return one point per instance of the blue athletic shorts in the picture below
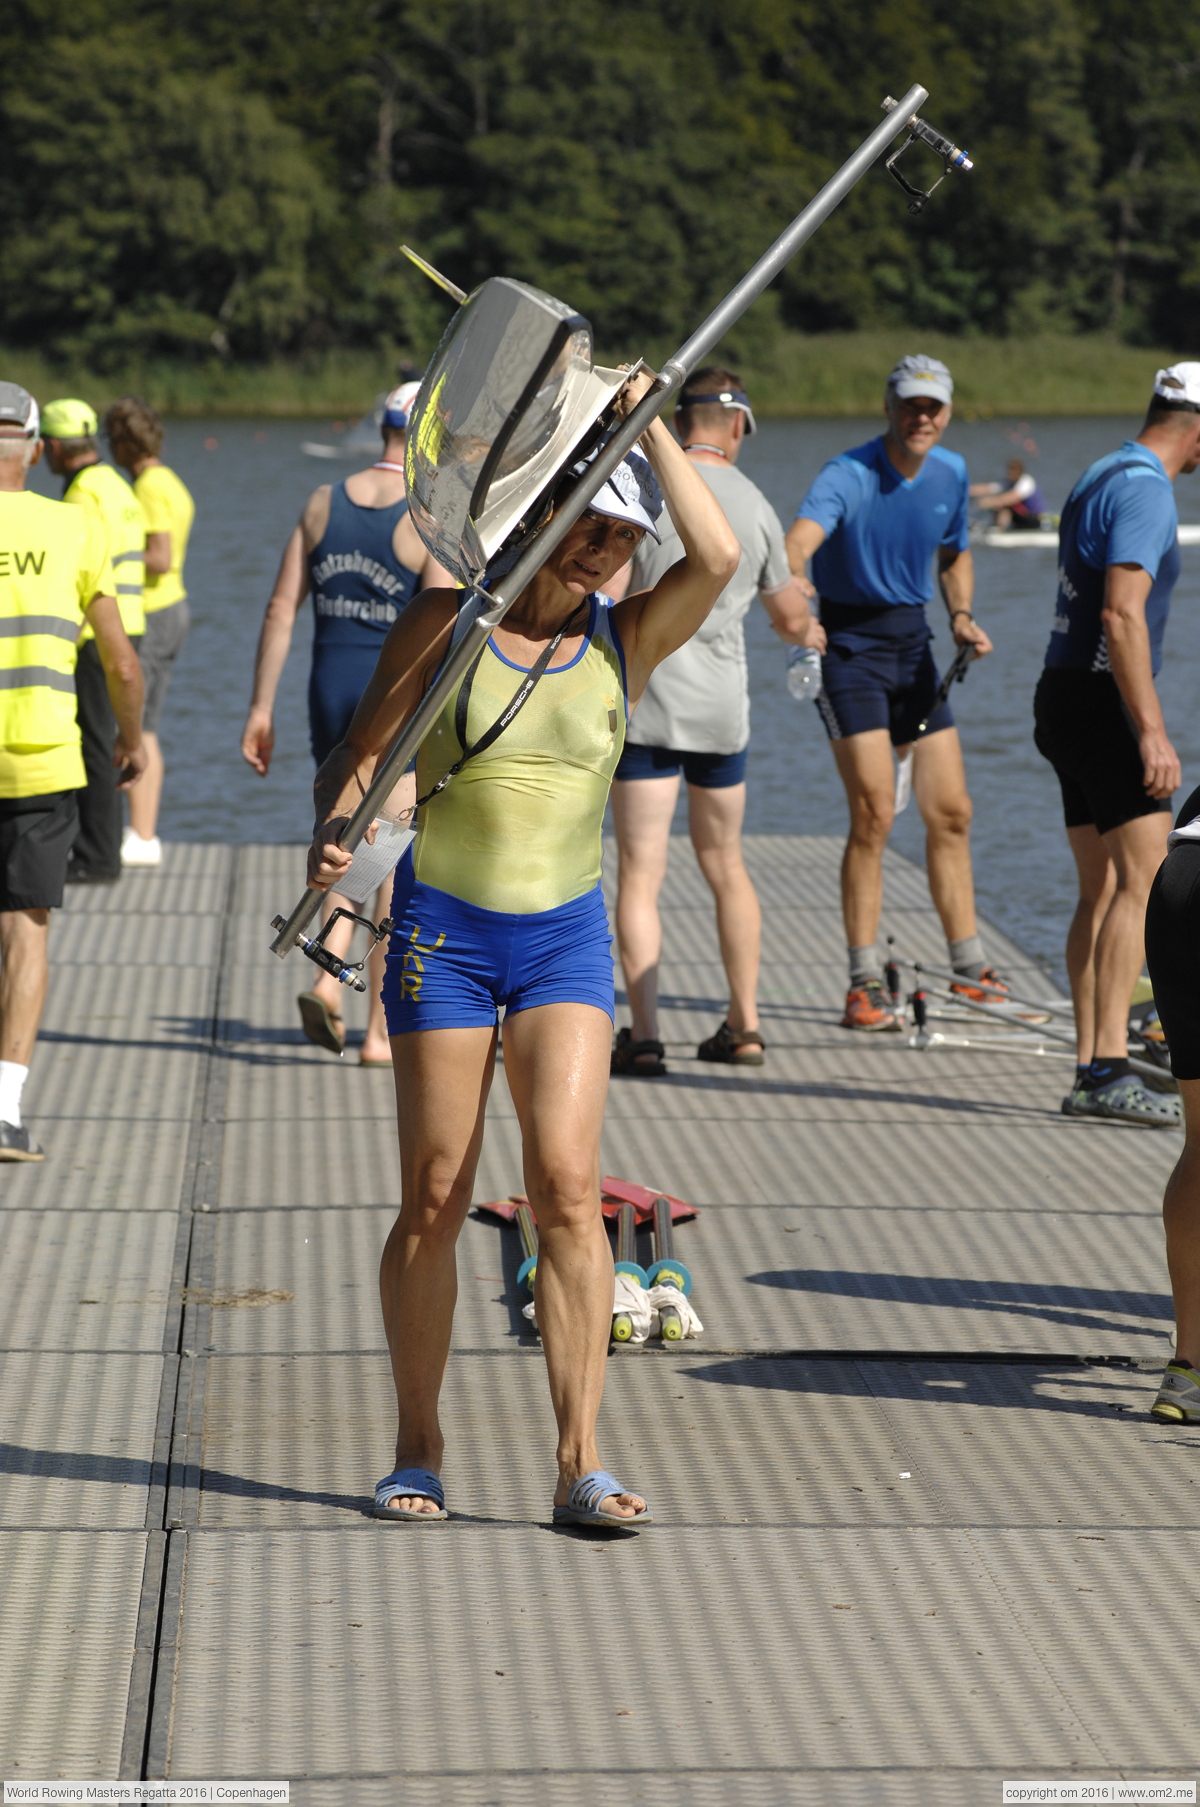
(879, 672)
(708, 771)
(451, 965)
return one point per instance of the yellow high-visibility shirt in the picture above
(53, 561)
(99, 486)
(168, 508)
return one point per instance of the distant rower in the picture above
(1018, 504)
(355, 548)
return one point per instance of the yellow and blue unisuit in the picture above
(498, 903)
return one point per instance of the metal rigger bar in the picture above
(507, 590)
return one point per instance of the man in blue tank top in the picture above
(357, 552)
(872, 523)
(1100, 724)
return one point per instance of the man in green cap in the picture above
(69, 428)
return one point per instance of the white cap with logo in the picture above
(630, 494)
(1179, 384)
(916, 375)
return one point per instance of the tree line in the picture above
(232, 182)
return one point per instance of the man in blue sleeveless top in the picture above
(1100, 724)
(872, 523)
(356, 550)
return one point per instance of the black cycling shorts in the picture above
(1173, 948)
(1082, 727)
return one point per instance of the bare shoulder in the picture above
(419, 638)
(314, 518)
(434, 607)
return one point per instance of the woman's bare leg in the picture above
(442, 1081)
(556, 1059)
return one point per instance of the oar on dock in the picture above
(528, 1230)
(627, 1263)
(668, 1270)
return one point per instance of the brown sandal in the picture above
(321, 1024)
(628, 1057)
(733, 1047)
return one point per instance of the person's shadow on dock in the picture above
(998, 1382)
(1078, 1306)
(131, 1471)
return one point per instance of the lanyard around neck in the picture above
(508, 714)
(382, 464)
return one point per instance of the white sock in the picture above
(12, 1083)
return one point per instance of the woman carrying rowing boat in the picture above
(498, 904)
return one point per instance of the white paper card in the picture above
(371, 865)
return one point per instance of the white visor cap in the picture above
(630, 494)
(1179, 383)
(728, 398)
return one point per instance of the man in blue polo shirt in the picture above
(1099, 723)
(871, 523)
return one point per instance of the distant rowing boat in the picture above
(1189, 535)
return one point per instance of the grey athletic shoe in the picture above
(1178, 1400)
(1075, 1104)
(1126, 1100)
(16, 1144)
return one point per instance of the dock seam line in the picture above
(156, 1637)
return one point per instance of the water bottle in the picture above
(804, 672)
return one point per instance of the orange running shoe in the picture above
(868, 1007)
(988, 988)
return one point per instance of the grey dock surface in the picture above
(914, 1530)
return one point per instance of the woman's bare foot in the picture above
(617, 1505)
(413, 1502)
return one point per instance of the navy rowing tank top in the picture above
(359, 586)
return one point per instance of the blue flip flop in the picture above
(409, 1483)
(584, 1499)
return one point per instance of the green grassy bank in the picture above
(822, 375)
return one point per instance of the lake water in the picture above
(250, 479)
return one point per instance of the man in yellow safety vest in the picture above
(55, 575)
(69, 430)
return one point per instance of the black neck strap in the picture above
(508, 714)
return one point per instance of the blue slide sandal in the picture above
(409, 1483)
(584, 1499)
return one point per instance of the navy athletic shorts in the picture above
(708, 771)
(879, 672)
(453, 965)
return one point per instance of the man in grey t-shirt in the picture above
(694, 719)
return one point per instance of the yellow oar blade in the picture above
(443, 282)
